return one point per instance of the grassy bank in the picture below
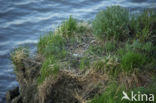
(117, 43)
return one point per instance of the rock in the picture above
(17, 99)
(12, 94)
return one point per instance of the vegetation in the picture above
(132, 60)
(49, 67)
(96, 50)
(18, 55)
(113, 94)
(69, 27)
(110, 46)
(84, 63)
(116, 43)
(142, 26)
(111, 23)
(52, 45)
(109, 64)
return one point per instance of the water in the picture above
(22, 23)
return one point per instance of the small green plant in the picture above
(148, 47)
(111, 23)
(112, 94)
(44, 41)
(102, 49)
(99, 65)
(52, 45)
(69, 27)
(136, 45)
(49, 67)
(109, 64)
(109, 46)
(132, 60)
(84, 63)
(142, 25)
(98, 50)
(145, 48)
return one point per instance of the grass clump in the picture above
(44, 41)
(112, 94)
(146, 47)
(69, 27)
(83, 27)
(143, 25)
(19, 54)
(110, 46)
(98, 50)
(109, 64)
(111, 23)
(52, 45)
(132, 60)
(102, 49)
(84, 63)
(49, 67)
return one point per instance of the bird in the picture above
(125, 96)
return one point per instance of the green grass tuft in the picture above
(132, 60)
(84, 63)
(69, 27)
(49, 67)
(109, 64)
(98, 50)
(113, 94)
(52, 45)
(111, 23)
(143, 25)
(110, 46)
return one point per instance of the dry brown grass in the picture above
(53, 84)
(73, 86)
(134, 79)
(19, 54)
(43, 90)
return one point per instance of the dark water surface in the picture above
(23, 21)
